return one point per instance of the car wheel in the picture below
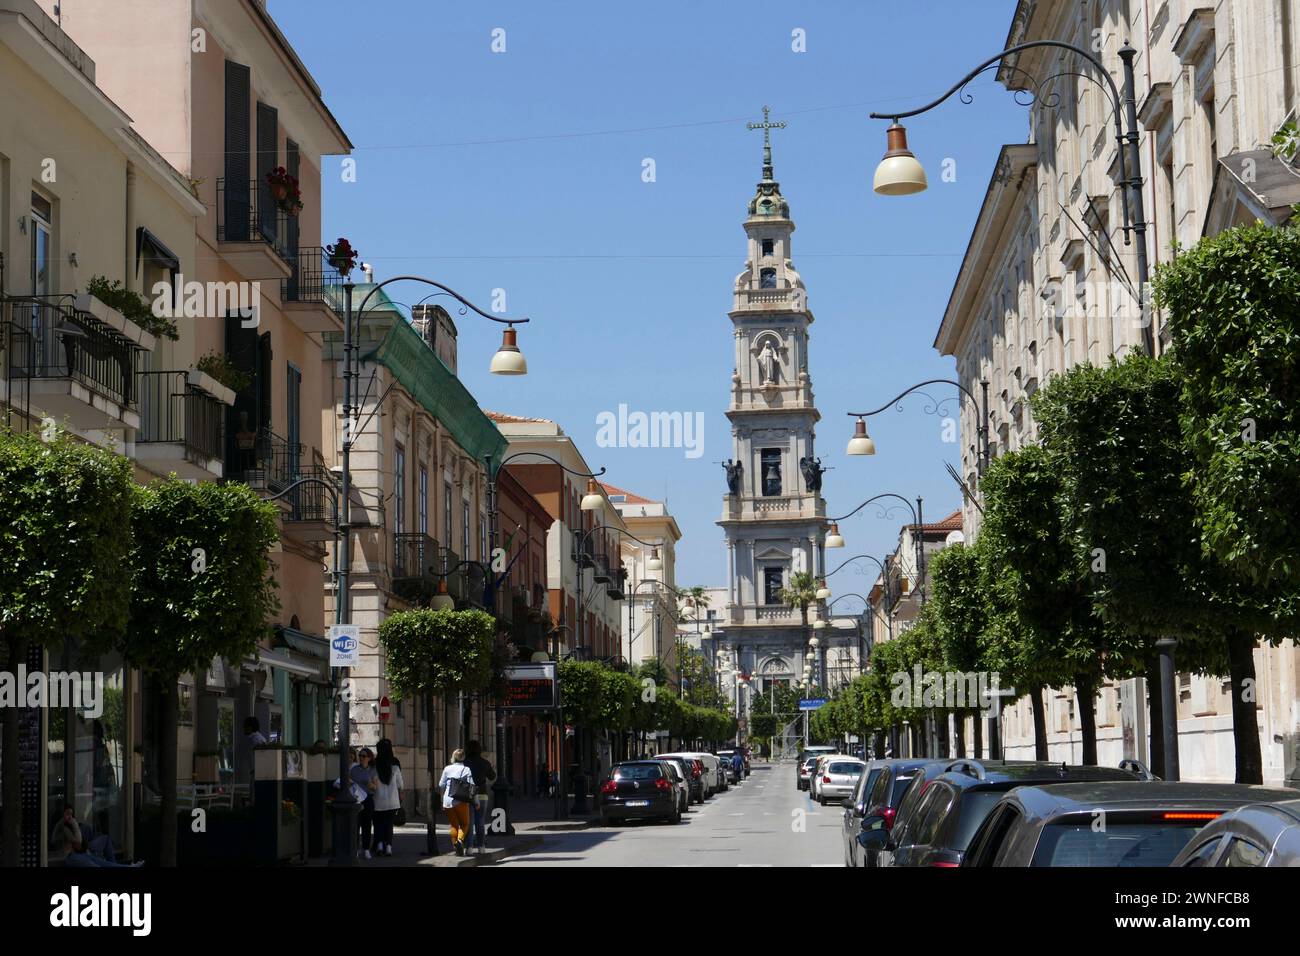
(822, 801)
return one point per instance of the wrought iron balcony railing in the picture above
(269, 462)
(49, 339)
(247, 212)
(175, 412)
(313, 279)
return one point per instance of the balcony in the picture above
(73, 364)
(772, 614)
(268, 463)
(311, 506)
(600, 569)
(415, 566)
(313, 292)
(618, 580)
(466, 583)
(255, 236)
(182, 424)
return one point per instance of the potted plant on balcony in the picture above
(129, 305)
(285, 190)
(342, 256)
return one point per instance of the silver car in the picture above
(839, 777)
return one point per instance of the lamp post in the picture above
(508, 360)
(862, 444)
(831, 604)
(900, 174)
(836, 540)
(884, 577)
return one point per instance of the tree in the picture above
(1130, 519)
(961, 617)
(1046, 633)
(1232, 306)
(65, 533)
(202, 588)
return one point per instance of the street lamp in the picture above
(823, 592)
(899, 173)
(918, 518)
(510, 363)
(862, 444)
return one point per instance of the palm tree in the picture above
(800, 592)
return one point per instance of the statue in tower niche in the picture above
(769, 367)
(733, 475)
(812, 469)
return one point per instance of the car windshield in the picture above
(809, 764)
(1120, 844)
(637, 771)
(850, 768)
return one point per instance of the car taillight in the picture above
(609, 786)
(695, 771)
(944, 863)
(886, 814)
(662, 784)
(826, 779)
(1189, 816)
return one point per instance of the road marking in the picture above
(753, 864)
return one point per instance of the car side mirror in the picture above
(873, 839)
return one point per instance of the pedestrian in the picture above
(388, 796)
(457, 786)
(73, 846)
(365, 776)
(738, 766)
(484, 774)
(253, 731)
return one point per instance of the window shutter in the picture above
(292, 163)
(237, 199)
(268, 153)
(241, 349)
(264, 382)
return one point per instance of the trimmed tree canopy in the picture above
(437, 651)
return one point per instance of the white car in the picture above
(818, 772)
(710, 774)
(837, 778)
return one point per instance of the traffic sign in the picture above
(385, 710)
(345, 645)
(812, 703)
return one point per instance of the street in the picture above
(754, 824)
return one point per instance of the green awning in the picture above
(404, 353)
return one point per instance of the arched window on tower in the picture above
(767, 279)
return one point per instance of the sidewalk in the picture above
(409, 843)
(537, 814)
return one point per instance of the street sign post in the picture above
(345, 645)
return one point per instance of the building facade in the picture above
(650, 624)
(1048, 281)
(773, 517)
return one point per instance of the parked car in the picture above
(724, 773)
(855, 809)
(1143, 823)
(1258, 834)
(694, 780)
(801, 781)
(818, 771)
(839, 778)
(679, 782)
(726, 757)
(639, 789)
(950, 806)
(699, 766)
(897, 774)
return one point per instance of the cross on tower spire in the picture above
(765, 126)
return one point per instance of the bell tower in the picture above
(773, 516)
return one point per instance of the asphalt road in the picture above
(762, 822)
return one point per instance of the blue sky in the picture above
(522, 171)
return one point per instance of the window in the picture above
(464, 529)
(771, 470)
(1204, 853)
(447, 535)
(41, 231)
(767, 247)
(293, 392)
(423, 503)
(399, 491)
(1241, 853)
(772, 584)
(767, 279)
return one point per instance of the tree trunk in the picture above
(1085, 693)
(977, 720)
(170, 714)
(1245, 720)
(1040, 724)
(1156, 717)
(12, 837)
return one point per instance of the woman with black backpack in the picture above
(457, 786)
